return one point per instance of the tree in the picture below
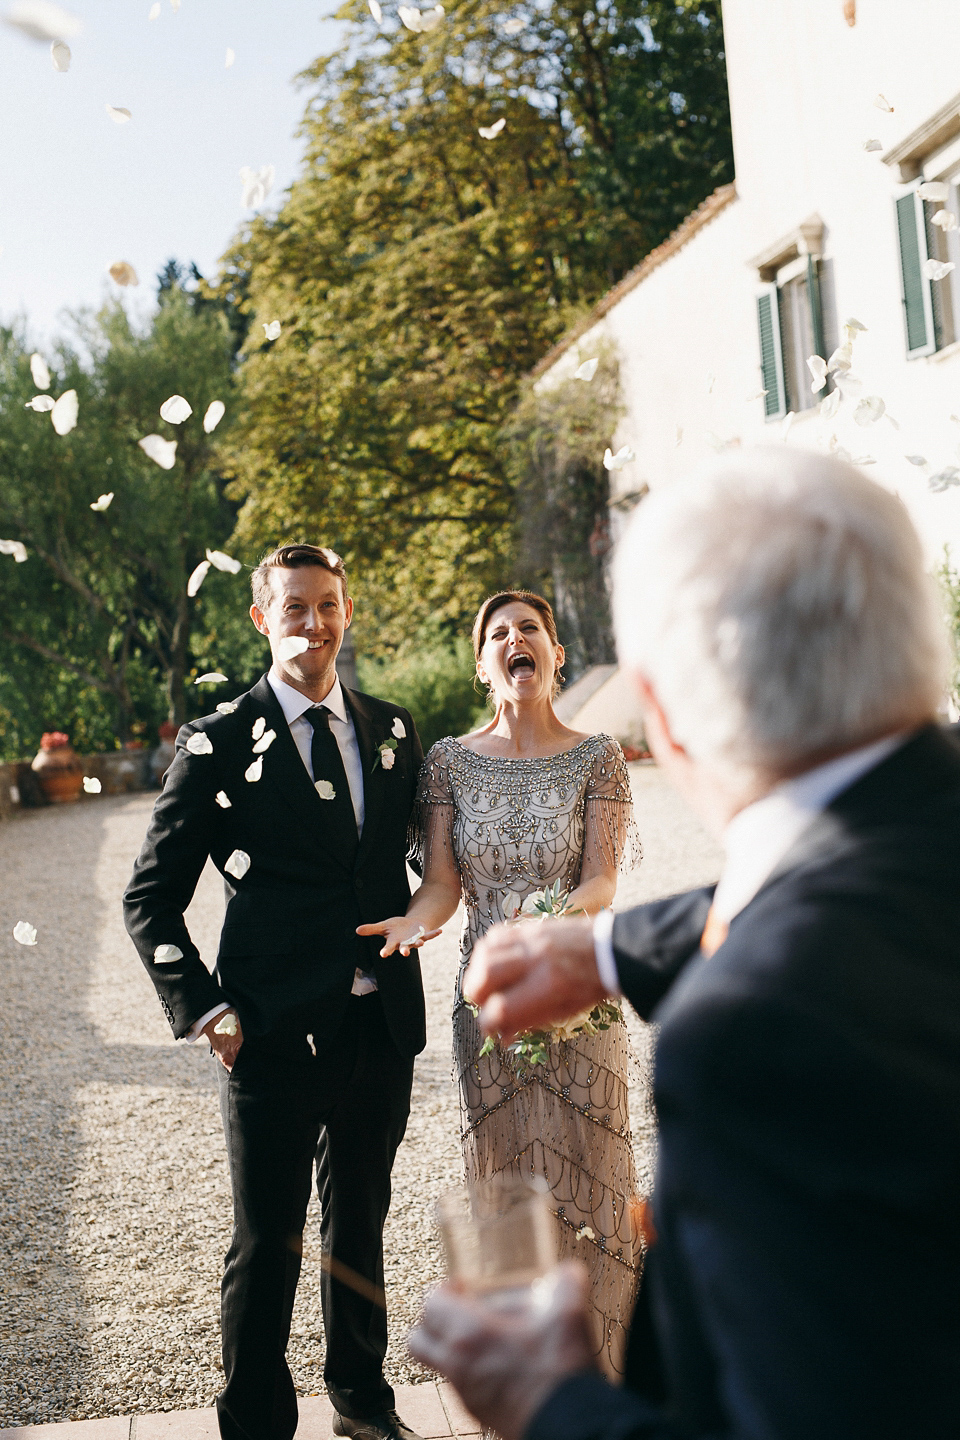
(419, 270)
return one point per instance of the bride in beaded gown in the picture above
(494, 825)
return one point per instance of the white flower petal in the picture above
(200, 744)
(238, 864)
(944, 478)
(259, 725)
(226, 1025)
(229, 58)
(853, 326)
(197, 577)
(513, 27)
(918, 460)
(42, 20)
(410, 18)
(945, 219)
(398, 729)
(212, 677)
(869, 410)
(587, 370)
(25, 933)
(490, 132)
(257, 185)
(292, 645)
(214, 414)
(818, 369)
(934, 190)
(848, 384)
(388, 759)
(586, 1233)
(420, 21)
(325, 790)
(871, 145)
(253, 772)
(882, 103)
(162, 452)
(60, 56)
(64, 413)
(264, 742)
(937, 269)
(176, 410)
(39, 371)
(310, 1039)
(224, 562)
(154, 13)
(16, 548)
(678, 438)
(40, 403)
(430, 19)
(91, 785)
(167, 955)
(227, 707)
(374, 7)
(624, 456)
(102, 502)
(272, 330)
(223, 800)
(121, 272)
(841, 359)
(119, 114)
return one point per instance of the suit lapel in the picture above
(368, 743)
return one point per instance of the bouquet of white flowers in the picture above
(531, 1046)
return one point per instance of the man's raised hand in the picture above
(224, 1045)
(528, 977)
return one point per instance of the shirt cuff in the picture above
(603, 950)
(196, 1029)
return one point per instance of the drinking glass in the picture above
(498, 1236)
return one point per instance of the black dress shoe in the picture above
(386, 1426)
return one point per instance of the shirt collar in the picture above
(757, 838)
(294, 703)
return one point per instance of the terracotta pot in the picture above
(60, 773)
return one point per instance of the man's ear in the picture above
(348, 607)
(259, 619)
(657, 726)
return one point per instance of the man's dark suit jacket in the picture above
(805, 1280)
(288, 950)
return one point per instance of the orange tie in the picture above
(714, 934)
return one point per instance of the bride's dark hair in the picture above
(493, 603)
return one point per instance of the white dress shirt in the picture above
(295, 705)
(758, 837)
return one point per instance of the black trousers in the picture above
(282, 1110)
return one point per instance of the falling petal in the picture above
(420, 21)
(624, 456)
(119, 114)
(430, 19)
(174, 5)
(272, 331)
(162, 452)
(711, 381)
(325, 790)
(944, 479)
(292, 645)
(375, 10)
(945, 219)
(176, 410)
(410, 18)
(64, 413)
(102, 502)
(215, 413)
(841, 359)
(40, 403)
(257, 185)
(818, 369)
(894, 423)
(853, 326)
(864, 460)
(226, 1025)
(398, 729)
(122, 273)
(222, 798)
(230, 57)
(227, 707)
(254, 771)
(200, 744)
(586, 1233)
(91, 785)
(42, 20)
(871, 145)
(16, 548)
(917, 460)
(167, 954)
(60, 56)
(848, 384)
(259, 725)
(757, 395)
(587, 370)
(937, 269)
(490, 132)
(25, 933)
(869, 410)
(882, 103)
(197, 578)
(839, 450)
(786, 425)
(513, 27)
(39, 371)
(265, 741)
(934, 190)
(154, 11)
(212, 677)
(310, 1039)
(224, 562)
(678, 441)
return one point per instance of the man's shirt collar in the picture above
(294, 703)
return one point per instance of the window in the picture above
(790, 319)
(930, 307)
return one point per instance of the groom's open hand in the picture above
(528, 977)
(225, 1047)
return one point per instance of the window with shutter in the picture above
(771, 354)
(915, 287)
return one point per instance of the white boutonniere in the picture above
(385, 755)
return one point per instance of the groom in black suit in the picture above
(803, 1270)
(300, 791)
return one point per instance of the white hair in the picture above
(779, 607)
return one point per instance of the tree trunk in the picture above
(177, 667)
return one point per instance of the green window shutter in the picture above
(771, 354)
(915, 288)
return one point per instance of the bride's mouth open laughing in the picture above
(521, 664)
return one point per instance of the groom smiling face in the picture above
(310, 603)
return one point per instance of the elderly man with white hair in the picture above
(803, 1271)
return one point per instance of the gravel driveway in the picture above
(114, 1203)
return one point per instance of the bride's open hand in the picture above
(400, 932)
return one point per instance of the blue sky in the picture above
(78, 192)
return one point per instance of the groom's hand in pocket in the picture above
(226, 1047)
(528, 977)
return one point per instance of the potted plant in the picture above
(58, 768)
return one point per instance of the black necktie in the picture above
(328, 765)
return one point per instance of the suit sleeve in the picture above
(653, 943)
(175, 850)
(586, 1407)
